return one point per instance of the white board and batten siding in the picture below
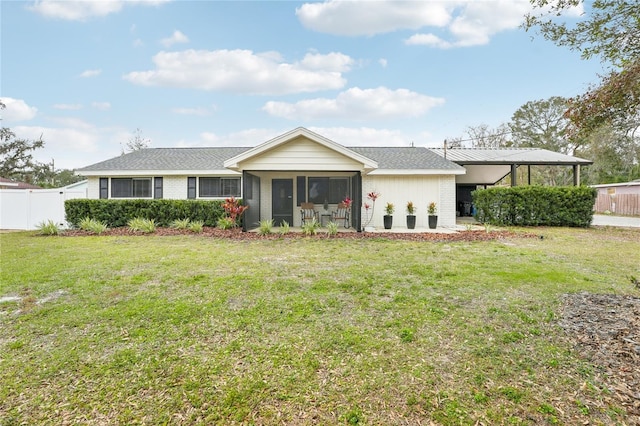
(401, 189)
(301, 154)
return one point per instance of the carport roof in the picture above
(500, 156)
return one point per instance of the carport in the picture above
(488, 166)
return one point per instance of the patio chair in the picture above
(307, 212)
(341, 213)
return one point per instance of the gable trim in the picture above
(234, 162)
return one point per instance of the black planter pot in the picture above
(411, 221)
(433, 221)
(388, 221)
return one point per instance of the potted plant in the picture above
(411, 217)
(388, 217)
(432, 210)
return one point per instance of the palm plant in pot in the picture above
(411, 217)
(432, 211)
(388, 217)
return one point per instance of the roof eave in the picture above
(146, 173)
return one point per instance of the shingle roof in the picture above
(213, 159)
(168, 159)
(398, 158)
(507, 156)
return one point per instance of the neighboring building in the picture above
(276, 177)
(619, 198)
(11, 184)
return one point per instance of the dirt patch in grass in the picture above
(237, 234)
(605, 329)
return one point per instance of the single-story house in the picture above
(277, 176)
(14, 184)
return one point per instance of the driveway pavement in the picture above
(608, 220)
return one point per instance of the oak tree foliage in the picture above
(610, 30)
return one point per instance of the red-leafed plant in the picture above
(234, 209)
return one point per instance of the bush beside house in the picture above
(535, 205)
(117, 213)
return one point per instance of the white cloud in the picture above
(243, 71)
(364, 136)
(356, 18)
(244, 138)
(358, 104)
(464, 22)
(102, 106)
(201, 112)
(176, 37)
(68, 107)
(68, 146)
(90, 73)
(17, 110)
(383, 62)
(82, 10)
(337, 62)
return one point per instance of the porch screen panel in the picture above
(301, 190)
(251, 198)
(356, 197)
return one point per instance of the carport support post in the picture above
(576, 175)
(514, 168)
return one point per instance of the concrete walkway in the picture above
(609, 220)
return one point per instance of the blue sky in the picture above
(86, 74)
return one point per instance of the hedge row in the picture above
(116, 213)
(535, 205)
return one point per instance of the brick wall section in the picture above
(447, 207)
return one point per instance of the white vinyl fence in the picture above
(26, 208)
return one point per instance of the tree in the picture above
(612, 32)
(137, 142)
(541, 124)
(15, 154)
(482, 136)
(615, 157)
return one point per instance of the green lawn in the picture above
(194, 330)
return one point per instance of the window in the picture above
(130, 187)
(104, 188)
(219, 187)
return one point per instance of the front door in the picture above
(282, 201)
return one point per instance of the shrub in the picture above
(139, 224)
(181, 223)
(284, 227)
(117, 213)
(310, 227)
(93, 226)
(332, 229)
(535, 205)
(48, 228)
(226, 223)
(265, 227)
(196, 226)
